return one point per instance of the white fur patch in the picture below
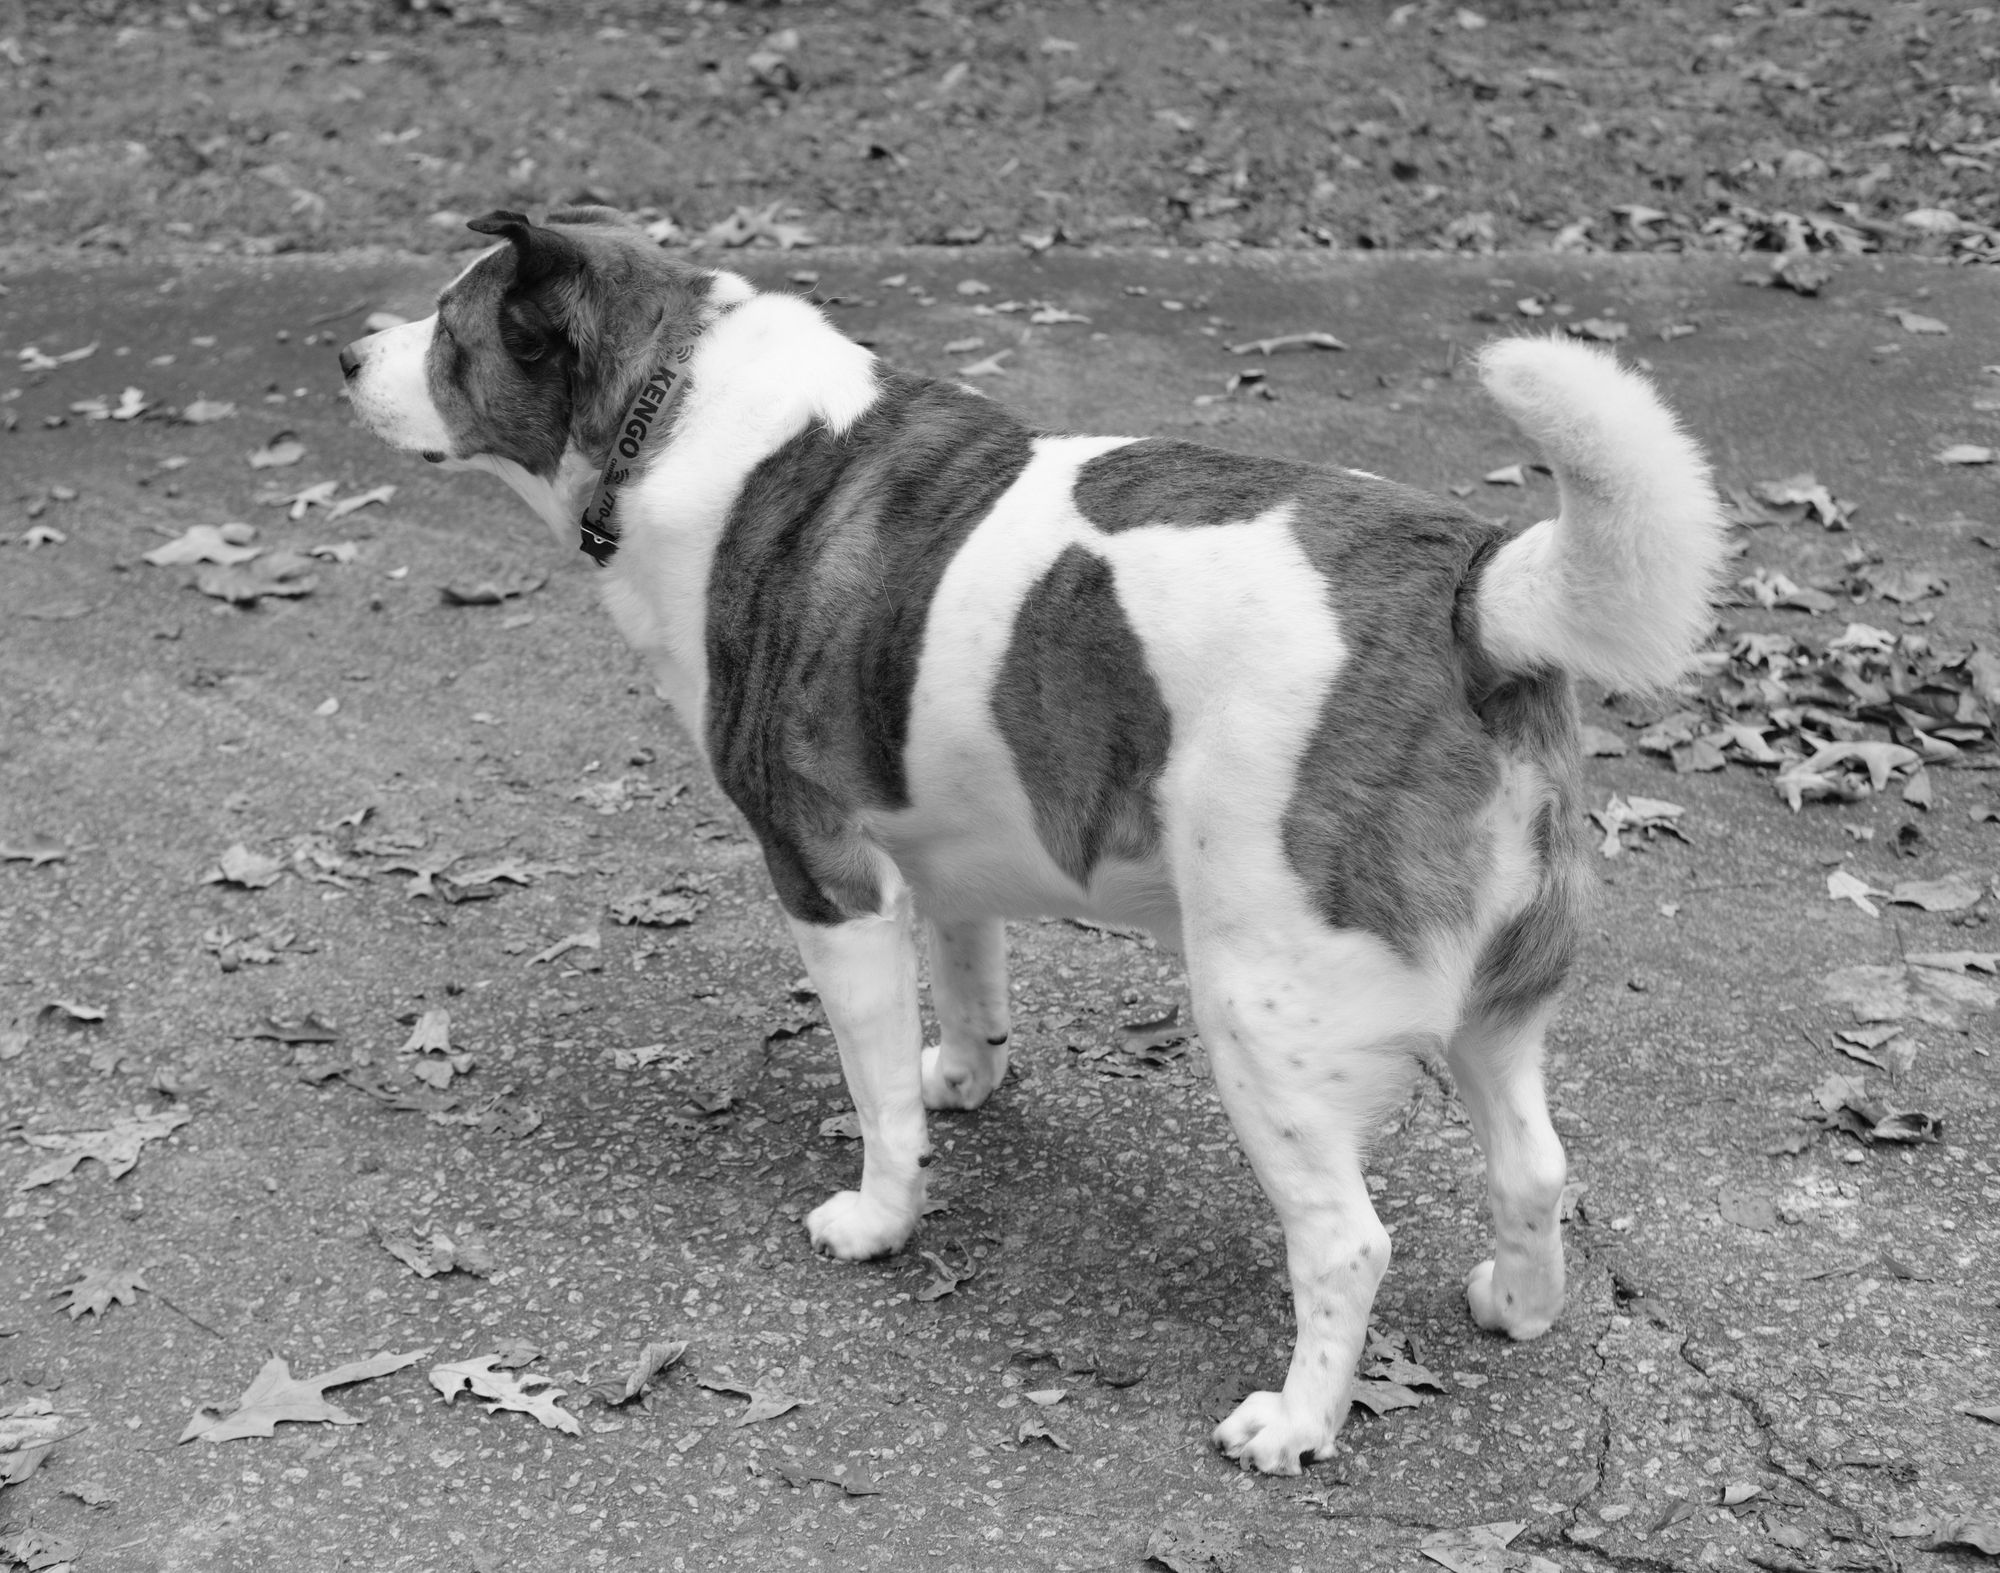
(760, 375)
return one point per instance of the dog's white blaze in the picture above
(391, 392)
(988, 860)
(760, 375)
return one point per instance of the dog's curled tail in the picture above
(1617, 587)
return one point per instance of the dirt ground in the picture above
(260, 822)
(323, 124)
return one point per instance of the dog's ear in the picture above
(539, 254)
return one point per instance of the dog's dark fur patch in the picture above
(1383, 825)
(1083, 717)
(817, 601)
(1529, 959)
(556, 332)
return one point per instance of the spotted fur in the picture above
(1312, 729)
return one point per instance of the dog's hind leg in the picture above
(1496, 1059)
(866, 974)
(1310, 1040)
(969, 991)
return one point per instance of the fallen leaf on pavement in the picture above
(33, 851)
(669, 907)
(1940, 996)
(347, 505)
(650, 1362)
(1966, 453)
(1917, 322)
(97, 1290)
(1987, 961)
(1749, 1208)
(440, 1254)
(1979, 1534)
(1482, 1548)
(1194, 1548)
(1647, 815)
(1601, 744)
(529, 1394)
(946, 1278)
(586, 939)
(200, 412)
(202, 543)
(766, 1403)
(285, 575)
(1953, 893)
(491, 592)
(1284, 341)
(1843, 886)
(276, 1395)
(117, 1148)
(307, 1029)
(27, 1432)
(1806, 493)
(1848, 1105)
(283, 449)
(246, 869)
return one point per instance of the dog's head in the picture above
(535, 350)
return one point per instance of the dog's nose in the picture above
(350, 362)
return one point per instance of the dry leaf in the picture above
(1965, 453)
(530, 1394)
(97, 1290)
(1843, 886)
(202, 543)
(116, 1148)
(651, 1361)
(1272, 346)
(276, 1395)
(283, 449)
(246, 869)
(1953, 893)
(766, 1403)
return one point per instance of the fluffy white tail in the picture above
(1617, 586)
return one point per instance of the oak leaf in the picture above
(276, 1395)
(530, 1394)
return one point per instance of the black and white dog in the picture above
(1312, 729)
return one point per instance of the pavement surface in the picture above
(1769, 1357)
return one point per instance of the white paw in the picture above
(1503, 1313)
(1264, 1434)
(959, 1085)
(852, 1227)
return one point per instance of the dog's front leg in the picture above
(866, 974)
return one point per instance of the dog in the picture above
(1313, 730)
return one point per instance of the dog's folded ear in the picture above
(539, 253)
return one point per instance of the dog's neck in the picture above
(768, 367)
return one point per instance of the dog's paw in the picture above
(1501, 1312)
(850, 1226)
(1264, 1434)
(957, 1083)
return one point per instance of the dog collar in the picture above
(639, 434)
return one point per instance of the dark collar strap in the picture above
(640, 435)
